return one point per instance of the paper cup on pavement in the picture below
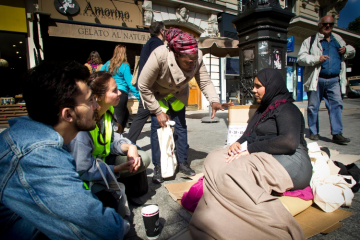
(151, 221)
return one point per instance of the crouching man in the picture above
(40, 191)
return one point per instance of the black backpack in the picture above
(312, 39)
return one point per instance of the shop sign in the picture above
(105, 12)
(291, 59)
(98, 33)
(67, 7)
(290, 44)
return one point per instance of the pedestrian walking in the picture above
(157, 33)
(118, 66)
(323, 56)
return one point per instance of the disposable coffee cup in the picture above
(151, 221)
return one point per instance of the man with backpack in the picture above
(323, 56)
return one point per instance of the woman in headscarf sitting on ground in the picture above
(238, 182)
(164, 90)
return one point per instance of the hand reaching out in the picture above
(217, 106)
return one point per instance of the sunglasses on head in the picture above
(326, 23)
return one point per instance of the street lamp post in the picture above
(262, 31)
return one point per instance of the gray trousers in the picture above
(298, 166)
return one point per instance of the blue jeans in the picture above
(180, 136)
(329, 89)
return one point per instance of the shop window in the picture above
(232, 66)
(232, 75)
(322, 12)
(13, 50)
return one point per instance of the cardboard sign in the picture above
(238, 119)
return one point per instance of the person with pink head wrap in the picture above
(181, 42)
(164, 80)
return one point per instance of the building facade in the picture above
(304, 24)
(70, 30)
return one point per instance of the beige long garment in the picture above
(237, 204)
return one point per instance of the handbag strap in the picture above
(98, 160)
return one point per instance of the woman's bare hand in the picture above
(229, 159)
(133, 156)
(124, 166)
(235, 148)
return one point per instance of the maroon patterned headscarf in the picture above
(181, 42)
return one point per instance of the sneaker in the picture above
(340, 139)
(157, 178)
(186, 169)
(314, 137)
(136, 201)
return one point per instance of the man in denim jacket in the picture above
(40, 191)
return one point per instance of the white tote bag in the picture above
(333, 192)
(330, 191)
(167, 145)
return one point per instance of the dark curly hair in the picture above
(94, 58)
(155, 28)
(50, 87)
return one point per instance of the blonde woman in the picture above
(119, 68)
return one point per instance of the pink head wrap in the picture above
(181, 42)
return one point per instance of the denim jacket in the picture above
(40, 188)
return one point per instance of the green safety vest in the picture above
(175, 103)
(102, 151)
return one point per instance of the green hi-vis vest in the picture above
(102, 151)
(175, 103)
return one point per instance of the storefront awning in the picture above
(98, 33)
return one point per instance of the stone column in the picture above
(262, 31)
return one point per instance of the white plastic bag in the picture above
(167, 145)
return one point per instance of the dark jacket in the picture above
(151, 44)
